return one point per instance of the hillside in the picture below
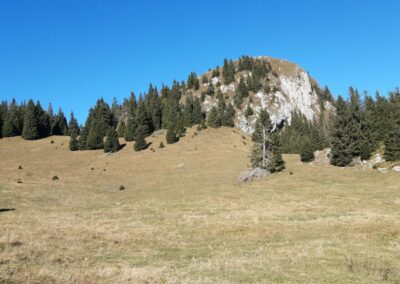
(285, 88)
(184, 217)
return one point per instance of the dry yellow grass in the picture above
(184, 218)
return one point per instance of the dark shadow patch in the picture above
(6, 209)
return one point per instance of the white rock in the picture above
(396, 169)
(215, 80)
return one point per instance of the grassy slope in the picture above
(194, 223)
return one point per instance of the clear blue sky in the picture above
(71, 52)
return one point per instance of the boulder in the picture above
(253, 174)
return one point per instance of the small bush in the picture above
(52, 142)
(19, 181)
(198, 128)
(291, 173)
(195, 134)
(20, 167)
(92, 169)
(55, 178)
(161, 145)
(122, 187)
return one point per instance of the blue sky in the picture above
(71, 52)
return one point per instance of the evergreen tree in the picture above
(249, 111)
(341, 145)
(245, 63)
(214, 119)
(73, 126)
(11, 125)
(154, 110)
(215, 72)
(130, 131)
(204, 79)
(43, 118)
(82, 142)
(142, 128)
(227, 117)
(277, 164)
(59, 126)
(228, 72)
(392, 141)
(241, 92)
(73, 143)
(31, 124)
(210, 90)
(112, 143)
(307, 151)
(101, 120)
(121, 130)
(193, 81)
(171, 135)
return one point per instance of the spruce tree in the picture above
(12, 123)
(101, 120)
(214, 119)
(341, 145)
(215, 72)
(249, 111)
(228, 72)
(154, 109)
(307, 151)
(171, 135)
(31, 123)
(142, 128)
(59, 126)
(112, 143)
(277, 164)
(392, 141)
(73, 143)
(73, 126)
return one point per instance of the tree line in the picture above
(31, 122)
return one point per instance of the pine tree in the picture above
(142, 128)
(204, 79)
(112, 143)
(277, 164)
(14, 119)
(197, 115)
(215, 72)
(101, 120)
(59, 126)
(44, 126)
(227, 118)
(341, 145)
(228, 72)
(130, 131)
(31, 123)
(307, 151)
(73, 143)
(193, 81)
(392, 141)
(214, 119)
(171, 135)
(249, 111)
(154, 110)
(73, 126)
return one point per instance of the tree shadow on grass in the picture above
(6, 209)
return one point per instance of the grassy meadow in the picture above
(183, 217)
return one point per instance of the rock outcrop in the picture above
(287, 88)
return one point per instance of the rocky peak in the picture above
(284, 89)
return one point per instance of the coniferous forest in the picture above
(358, 126)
